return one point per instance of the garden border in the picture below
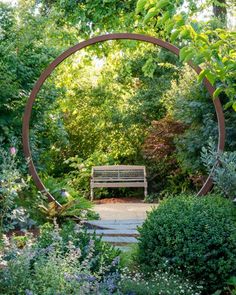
(130, 36)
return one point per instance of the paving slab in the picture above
(114, 224)
(123, 211)
(119, 222)
(119, 240)
(114, 232)
(111, 223)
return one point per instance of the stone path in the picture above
(123, 211)
(119, 222)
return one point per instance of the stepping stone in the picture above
(114, 224)
(119, 240)
(115, 221)
(114, 232)
(119, 233)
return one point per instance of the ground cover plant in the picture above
(66, 260)
(158, 282)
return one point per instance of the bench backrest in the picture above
(118, 173)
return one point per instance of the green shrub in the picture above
(73, 203)
(11, 185)
(193, 235)
(70, 232)
(60, 261)
(79, 176)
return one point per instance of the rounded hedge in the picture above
(194, 235)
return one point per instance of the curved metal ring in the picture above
(28, 109)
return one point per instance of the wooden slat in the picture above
(118, 167)
(119, 184)
(118, 176)
(119, 172)
(97, 179)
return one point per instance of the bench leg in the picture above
(91, 194)
(145, 191)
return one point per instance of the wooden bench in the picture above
(118, 176)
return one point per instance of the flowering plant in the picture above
(56, 263)
(11, 183)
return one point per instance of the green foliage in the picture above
(80, 175)
(222, 165)
(151, 198)
(193, 235)
(63, 192)
(176, 183)
(106, 107)
(127, 258)
(70, 232)
(23, 56)
(160, 282)
(98, 105)
(107, 112)
(89, 17)
(72, 202)
(232, 285)
(11, 184)
(61, 260)
(205, 43)
(187, 102)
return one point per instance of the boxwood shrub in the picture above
(193, 235)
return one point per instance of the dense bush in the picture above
(195, 235)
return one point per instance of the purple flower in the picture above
(12, 150)
(115, 261)
(110, 282)
(68, 277)
(28, 292)
(84, 277)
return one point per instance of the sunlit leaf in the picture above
(140, 5)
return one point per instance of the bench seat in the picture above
(118, 176)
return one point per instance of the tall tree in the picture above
(206, 43)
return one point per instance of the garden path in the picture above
(119, 222)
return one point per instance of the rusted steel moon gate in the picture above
(28, 109)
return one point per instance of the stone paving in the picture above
(123, 211)
(119, 222)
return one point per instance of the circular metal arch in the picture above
(130, 36)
